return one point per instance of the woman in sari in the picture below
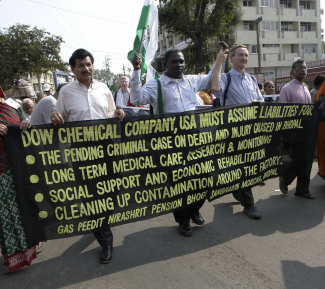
(320, 146)
(15, 250)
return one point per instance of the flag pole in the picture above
(142, 39)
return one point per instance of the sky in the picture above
(104, 27)
(111, 30)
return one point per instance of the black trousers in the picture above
(246, 197)
(104, 236)
(302, 186)
(183, 217)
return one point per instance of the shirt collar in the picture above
(81, 85)
(237, 74)
(167, 79)
(297, 82)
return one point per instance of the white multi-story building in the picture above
(290, 29)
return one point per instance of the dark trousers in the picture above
(104, 236)
(246, 197)
(183, 216)
(302, 187)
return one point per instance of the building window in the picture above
(270, 25)
(247, 3)
(286, 3)
(171, 42)
(249, 25)
(305, 26)
(269, 3)
(271, 45)
(292, 48)
(304, 4)
(253, 48)
(286, 26)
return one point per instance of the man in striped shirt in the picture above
(243, 89)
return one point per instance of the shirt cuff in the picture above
(136, 75)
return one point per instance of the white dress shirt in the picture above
(76, 102)
(28, 117)
(177, 96)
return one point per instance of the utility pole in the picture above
(257, 21)
(123, 70)
(107, 70)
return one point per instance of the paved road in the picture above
(285, 249)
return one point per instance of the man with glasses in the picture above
(296, 92)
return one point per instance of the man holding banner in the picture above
(296, 92)
(173, 92)
(85, 99)
(237, 87)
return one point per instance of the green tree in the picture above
(204, 22)
(24, 50)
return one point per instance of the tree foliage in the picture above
(204, 22)
(105, 76)
(24, 50)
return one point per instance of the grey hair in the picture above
(26, 101)
(124, 77)
(233, 49)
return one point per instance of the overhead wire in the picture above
(69, 22)
(83, 13)
(60, 25)
(107, 52)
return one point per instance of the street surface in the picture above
(285, 249)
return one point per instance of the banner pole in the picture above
(142, 39)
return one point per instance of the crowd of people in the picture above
(174, 92)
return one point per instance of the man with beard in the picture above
(296, 92)
(85, 99)
(178, 95)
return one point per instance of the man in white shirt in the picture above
(44, 107)
(178, 95)
(122, 96)
(85, 99)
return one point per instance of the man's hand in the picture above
(119, 112)
(137, 61)
(3, 130)
(56, 117)
(25, 124)
(321, 106)
(222, 56)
